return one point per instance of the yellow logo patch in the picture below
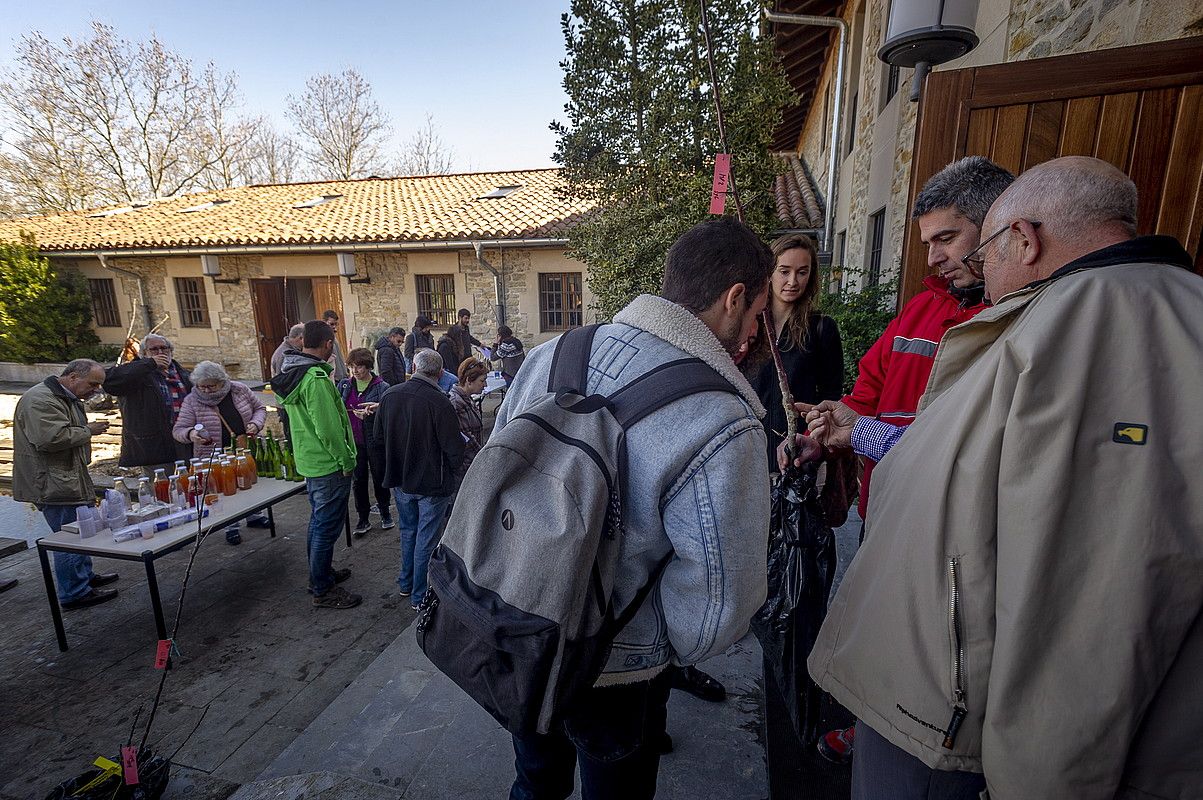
(1130, 433)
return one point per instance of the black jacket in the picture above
(145, 419)
(416, 340)
(418, 439)
(452, 355)
(815, 373)
(464, 338)
(389, 364)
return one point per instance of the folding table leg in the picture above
(56, 613)
(271, 521)
(156, 603)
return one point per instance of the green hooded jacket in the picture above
(322, 442)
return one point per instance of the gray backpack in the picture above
(520, 612)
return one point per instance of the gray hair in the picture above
(429, 363)
(209, 371)
(1072, 197)
(151, 336)
(970, 185)
(297, 331)
(80, 367)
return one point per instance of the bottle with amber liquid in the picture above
(242, 472)
(252, 466)
(162, 486)
(229, 478)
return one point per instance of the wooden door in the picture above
(327, 294)
(1140, 108)
(271, 321)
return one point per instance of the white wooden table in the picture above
(262, 495)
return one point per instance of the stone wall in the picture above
(1042, 28)
(380, 306)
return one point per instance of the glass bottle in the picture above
(162, 486)
(252, 467)
(229, 475)
(146, 493)
(194, 492)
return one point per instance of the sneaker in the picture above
(259, 522)
(363, 527)
(338, 598)
(404, 593)
(92, 598)
(233, 537)
(341, 575)
(836, 746)
(386, 523)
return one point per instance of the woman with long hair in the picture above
(809, 341)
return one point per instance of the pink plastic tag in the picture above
(129, 764)
(162, 653)
(722, 178)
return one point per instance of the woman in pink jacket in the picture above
(225, 409)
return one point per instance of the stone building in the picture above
(878, 139)
(225, 273)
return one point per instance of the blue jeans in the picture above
(884, 771)
(72, 571)
(612, 734)
(420, 519)
(328, 496)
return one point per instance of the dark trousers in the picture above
(612, 737)
(883, 771)
(363, 474)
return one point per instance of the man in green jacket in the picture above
(324, 449)
(51, 451)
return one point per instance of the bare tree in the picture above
(227, 139)
(424, 153)
(104, 119)
(272, 157)
(343, 130)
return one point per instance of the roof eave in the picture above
(323, 247)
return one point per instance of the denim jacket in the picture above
(698, 488)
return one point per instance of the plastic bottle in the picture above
(162, 486)
(146, 493)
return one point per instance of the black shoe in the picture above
(663, 744)
(102, 579)
(233, 537)
(258, 522)
(7, 583)
(698, 684)
(93, 597)
(338, 598)
(362, 528)
(341, 575)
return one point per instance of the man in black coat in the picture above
(420, 337)
(419, 434)
(150, 390)
(390, 365)
(462, 334)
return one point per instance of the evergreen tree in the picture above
(43, 316)
(641, 130)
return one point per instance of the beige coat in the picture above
(1023, 566)
(51, 448)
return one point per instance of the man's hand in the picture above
(98, 426)
(162, 360)
(831, 422)
(805, 449)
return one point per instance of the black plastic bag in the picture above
(153, 772)
(801, 566)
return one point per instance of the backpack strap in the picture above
(663, 385)
(570, 362)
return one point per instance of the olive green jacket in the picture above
(51, 448)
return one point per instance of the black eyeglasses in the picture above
(974, 261)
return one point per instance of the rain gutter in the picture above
(278, 249)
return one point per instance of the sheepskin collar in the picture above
(678, 326)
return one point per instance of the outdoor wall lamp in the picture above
(925, 33)
(346, 268)
(212, 267)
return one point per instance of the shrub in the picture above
(862, 316)
(44, 316)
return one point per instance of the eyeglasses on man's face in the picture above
(975, 259)
(160, 349)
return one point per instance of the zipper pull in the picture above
(954, 726)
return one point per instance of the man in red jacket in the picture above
(893, 373)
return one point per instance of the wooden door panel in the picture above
(1044, 131)
(1115, 128)
(327, 294)
(1139, 108)
(1080, 127)
(271, 325)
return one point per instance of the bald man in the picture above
(1026, 614)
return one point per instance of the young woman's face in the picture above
(791, 275)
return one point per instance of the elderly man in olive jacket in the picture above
(151, 390)
(51, 451)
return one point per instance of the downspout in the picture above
(104, 263)
(837, 118)
(498, 282)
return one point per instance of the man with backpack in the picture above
(678, 563)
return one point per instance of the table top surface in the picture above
(264, 493)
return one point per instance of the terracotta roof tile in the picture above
(415, 209)
(795, 195)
